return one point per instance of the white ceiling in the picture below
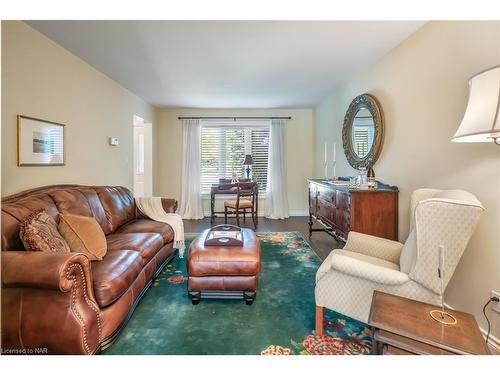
(229, 64)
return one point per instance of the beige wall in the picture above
(43, 80)
(422, 87)
(298, 141)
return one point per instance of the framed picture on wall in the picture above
(39, 142)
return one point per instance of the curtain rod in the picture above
(235, 118)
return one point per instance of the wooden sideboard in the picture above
(341, 209)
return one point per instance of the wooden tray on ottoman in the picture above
(224, 271)
(224, 235)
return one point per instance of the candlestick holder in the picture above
(442, 316)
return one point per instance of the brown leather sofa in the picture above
(64, 303)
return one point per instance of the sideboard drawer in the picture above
(327, 195)
(326, 211)
(343, 200)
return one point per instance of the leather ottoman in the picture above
(224, 271)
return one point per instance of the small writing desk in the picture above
(224, 187)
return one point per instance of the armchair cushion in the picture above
(374, 246)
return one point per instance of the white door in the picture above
(143, 158)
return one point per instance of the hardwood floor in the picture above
(320, 242)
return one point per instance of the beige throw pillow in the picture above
(38, 232)
(84, 235)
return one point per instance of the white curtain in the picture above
(276, 206)
(190, 206)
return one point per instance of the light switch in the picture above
(113, 141)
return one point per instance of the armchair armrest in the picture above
(374, 246)
(363, 270)
(44, 294)
(169, 205)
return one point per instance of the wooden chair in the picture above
(247, 191)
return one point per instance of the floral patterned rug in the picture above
(280, 321)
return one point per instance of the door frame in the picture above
(145, 128)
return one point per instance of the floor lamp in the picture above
(481, 122)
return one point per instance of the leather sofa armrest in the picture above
(32, 269)
(169, 205)
(43, 293)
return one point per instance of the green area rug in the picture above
(280, 321)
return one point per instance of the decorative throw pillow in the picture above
(84, 235)
(38, 232)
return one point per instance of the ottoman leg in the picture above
(249, 297)
(195, 297)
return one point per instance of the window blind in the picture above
(361, 142)
(223, 150)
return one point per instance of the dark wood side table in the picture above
(404, 326)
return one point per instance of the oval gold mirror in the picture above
(363, 132)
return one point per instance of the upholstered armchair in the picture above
(347, 278)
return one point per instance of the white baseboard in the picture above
(261, 214)
(292, 213)
(493, 340)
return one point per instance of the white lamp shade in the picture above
(481, 122)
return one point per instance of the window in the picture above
(362, 135)
(223, 150)
(360, 142)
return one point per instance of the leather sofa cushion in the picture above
(147, 244)
(114, 274)
(83, 234)
(149, 226)
(81, 201)
(118, 203)
(72, 201)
